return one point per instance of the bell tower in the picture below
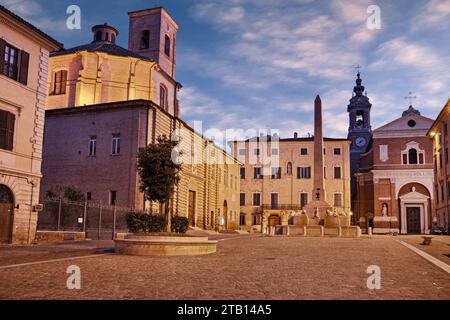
(153, 34)
(360, 129)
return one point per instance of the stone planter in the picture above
(164, 246)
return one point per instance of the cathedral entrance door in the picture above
(413, 220)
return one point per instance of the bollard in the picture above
(369, 232)
(322, 231)
(339, 231)
(304, 231)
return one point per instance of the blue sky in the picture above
(259, 63)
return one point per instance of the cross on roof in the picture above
(358, 67)
(410, 97)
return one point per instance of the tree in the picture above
(159, 174)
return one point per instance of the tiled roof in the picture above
(106, 47)
(32, 27)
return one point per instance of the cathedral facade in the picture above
(395, 177)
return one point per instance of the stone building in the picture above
(106, 102)
(24, 51)
(282, 174)
(441, 143)
(395, 177)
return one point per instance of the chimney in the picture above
(295, 135)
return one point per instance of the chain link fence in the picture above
(99, 221)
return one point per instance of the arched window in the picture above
(107, 36)
(98, 35)
(412, 155)
(145, 39)
(163, 102)
(289, 169)
(167, 45)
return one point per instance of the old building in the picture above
(24, 51)
(441, 143)
(289, 173)
(106, 102)
(359, 131)
(395, 177)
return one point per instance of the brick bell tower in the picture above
(153, 34)
(359, 130)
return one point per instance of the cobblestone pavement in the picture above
(439, 248)
(245, 267)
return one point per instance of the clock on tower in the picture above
(359, 130)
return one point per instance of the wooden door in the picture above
(274, 221)
(6, 214)
(413, 220)
(191, 208)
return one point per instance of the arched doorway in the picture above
(415, 209)
(225, 213)
(6, 213)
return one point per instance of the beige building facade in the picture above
(278, 174)
(108, 102)
(441, 143)
(24, 52)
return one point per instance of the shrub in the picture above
(144, 223)
(180, 224)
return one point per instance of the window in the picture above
(256, 152)
(242, 199)
(337, 151)
(59, 82)
(446, 156)
(163, 97)
(274, 151)
(257, 199)
(256, 220)
(145, 39)
(303, 199)
(303, 151)
(411, 123)
(338, 199)
(412, 155)
(289, 169)
(88, 196)
(257, 173)
(276, 173)
(242, 152)
(359, 118)
(242, 173)
(7, 123)
(116, 144)
(107, 36)
(274, 200)
(303, 172)
(440, 160)
(93, 146)
(98, 35)
(13, 62)
(167, 45)
(242, 220)
(112, 198)
(337, 173)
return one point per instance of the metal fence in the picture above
(99, 221)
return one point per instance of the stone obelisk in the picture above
(317, 208)
(318, 192)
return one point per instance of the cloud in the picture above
(25, 8)
(435, 13)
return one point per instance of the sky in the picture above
(258, 64)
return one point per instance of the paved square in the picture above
(245, 267)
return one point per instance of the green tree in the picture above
(159, 174)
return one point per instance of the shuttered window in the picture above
(14, 62)
(7, 121)
(59, 82)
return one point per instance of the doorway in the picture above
(191, 208)
(413, 220)
(225, 213)
(6, 214)
(274, 221)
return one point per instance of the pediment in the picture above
(414, 195)
(402, 124)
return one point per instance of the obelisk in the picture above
(318, 207)
(319, 191)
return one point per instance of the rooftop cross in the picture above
(410, 97)
(358, 67)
